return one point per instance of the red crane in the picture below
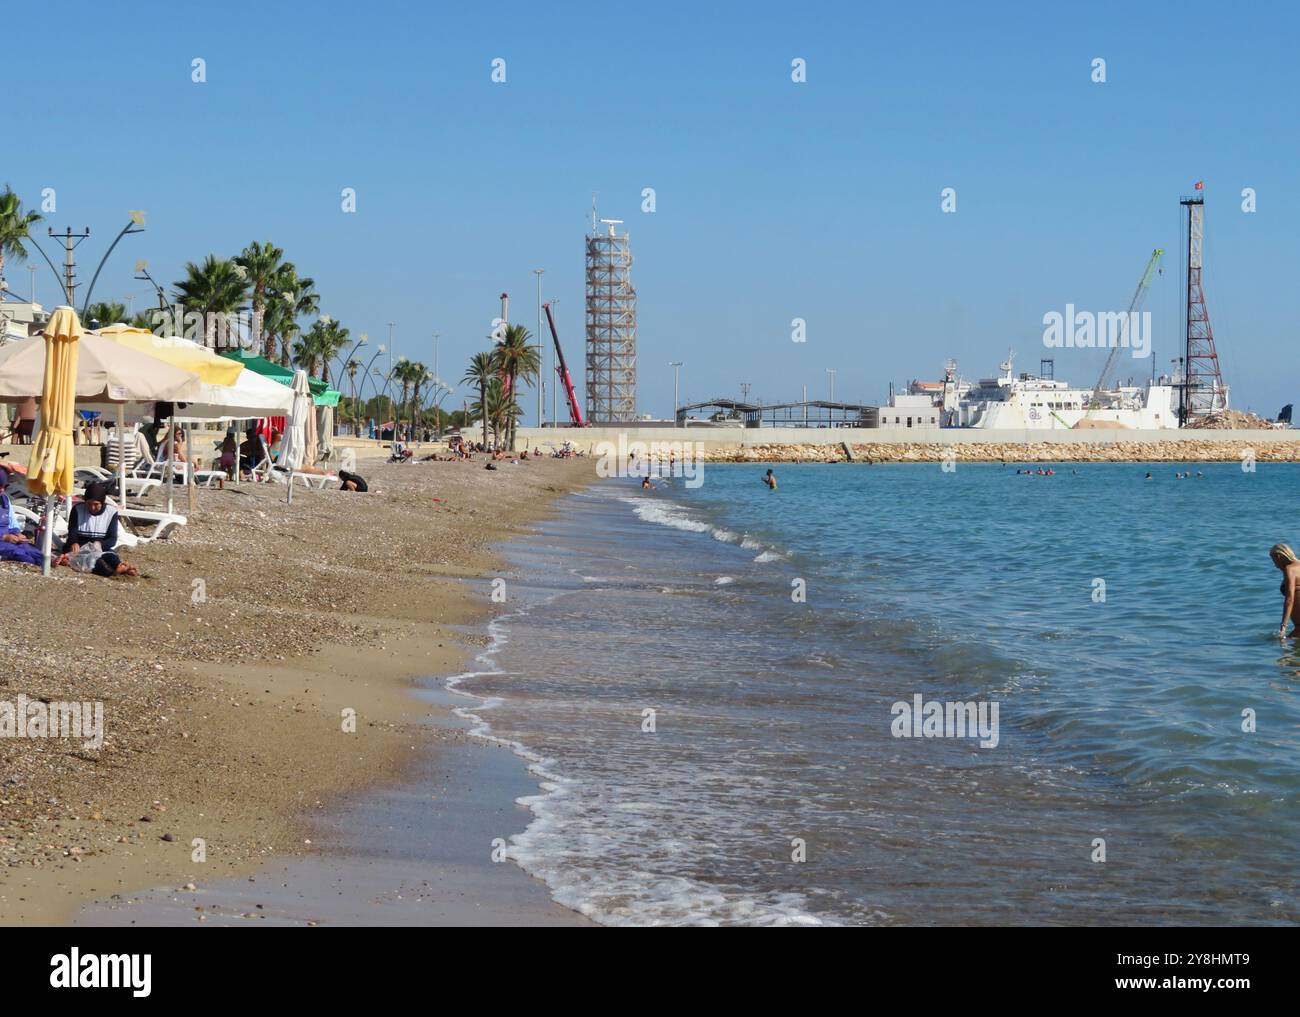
(575, 414)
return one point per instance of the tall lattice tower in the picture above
(1203, 394)
(611, 326)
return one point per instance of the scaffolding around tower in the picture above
(611, 326)
(1203, 395)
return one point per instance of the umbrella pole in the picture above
(46, 535)
(192, 465)
(121, 455)
(170, 472)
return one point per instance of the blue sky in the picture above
(775, 200)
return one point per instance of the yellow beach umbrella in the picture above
(50, 471)
(188, 356)
(52, 462)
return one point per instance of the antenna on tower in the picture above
(611, 223)
(593, 213)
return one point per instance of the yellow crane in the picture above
(1139, 295)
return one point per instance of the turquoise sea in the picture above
(1145, 766)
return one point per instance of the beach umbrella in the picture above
(50, 471)
(310, 454)
(210, 368)
(183, 353)
(294, 445)
(104, 372)
(250, 396)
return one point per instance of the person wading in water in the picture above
(1285, 559)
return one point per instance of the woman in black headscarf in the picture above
(94, 520)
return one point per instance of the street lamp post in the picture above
(365, 374)
(539, 272)
(830, 371)
(136, 220)
(676, 365)
(437, 420)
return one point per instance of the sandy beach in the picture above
(227, 669)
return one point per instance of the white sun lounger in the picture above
(136, 487)
(163, 522)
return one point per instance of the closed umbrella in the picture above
(310, 454)
(50, 471)
(293, 447)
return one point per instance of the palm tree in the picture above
(288, 299)
(109, 313)
(419, 377)
(333, 337)
(15, 227)
(261, 264)
(481, 372)
(406, 372)
(516, 360)
(217, 287)
(320, 345)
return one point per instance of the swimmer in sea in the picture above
(1284, 558)
(770, 480)
(645, 482)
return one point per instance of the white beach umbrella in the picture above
(294, 446)
(250, 396)
(106, 373)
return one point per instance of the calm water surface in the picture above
(1119, 720)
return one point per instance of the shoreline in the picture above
(216, 709)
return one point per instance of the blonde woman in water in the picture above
(1285, 559)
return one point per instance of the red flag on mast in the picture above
(1200, 185)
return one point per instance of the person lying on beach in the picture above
(1285, 560)
(14, 545)
(94, 521)
(770, 480)
(352, 482)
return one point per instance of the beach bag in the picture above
(87, 557)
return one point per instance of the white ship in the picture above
(1029, 402)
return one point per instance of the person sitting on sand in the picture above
(94, 520)
(769, 479)
(352, 482)
(1285, 560)
(14, 545)
(277, 442)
